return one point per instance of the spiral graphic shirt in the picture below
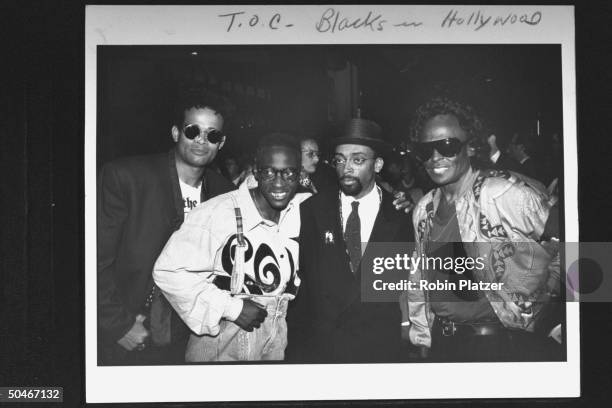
(270, 261)
(194, 269)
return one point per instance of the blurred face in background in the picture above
(393, 172)
(516, 149)
(231, 166)
(406, 171)
(310, 155)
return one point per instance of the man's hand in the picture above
(402, 202)
(136, 337)
(251, 316)
(522, 312)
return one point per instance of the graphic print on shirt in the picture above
(189, 204)
(269, 269)
(191, 196)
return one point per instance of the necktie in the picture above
(352, 236)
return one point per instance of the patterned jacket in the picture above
(501, 218)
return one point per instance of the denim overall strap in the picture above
(237, 280)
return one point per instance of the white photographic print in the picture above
(175, 227)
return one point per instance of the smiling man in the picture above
(328, 322)
(508, 222)
(141, 201)
(231, 269)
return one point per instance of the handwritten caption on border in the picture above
(333, 21)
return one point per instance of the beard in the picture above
(352, 189)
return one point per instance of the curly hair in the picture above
(200, 99)
(468, 119)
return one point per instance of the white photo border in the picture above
(201, 25)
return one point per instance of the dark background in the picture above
(312, 89)
(41, 100)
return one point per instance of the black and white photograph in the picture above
(319, 191)
(305, 205)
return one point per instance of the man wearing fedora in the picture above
(328, 322)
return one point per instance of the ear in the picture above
(222, 143)
(492, 140)
(175, 134)
(378, 164)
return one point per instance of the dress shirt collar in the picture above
(250, 215)
(370, 199)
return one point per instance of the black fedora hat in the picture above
(363, 132)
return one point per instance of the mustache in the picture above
(348, 178)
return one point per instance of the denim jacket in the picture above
(501, 218)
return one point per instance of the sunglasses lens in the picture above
(214, 136)
(192, 131)
(447, 148)
(424, 150)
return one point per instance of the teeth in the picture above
(279, 196)
(439, 170)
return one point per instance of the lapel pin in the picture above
(329, 237)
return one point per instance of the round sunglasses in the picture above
(192, 131)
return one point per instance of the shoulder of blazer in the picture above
(397, 217)
(388, 209)
(145, 167)
(322, 201)
(216, 184)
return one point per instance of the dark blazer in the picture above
(139, 205)
(531, 169)
(327, 321)
(505, 162)
(324, 178)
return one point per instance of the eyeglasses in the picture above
(357, 161)
(446, 147)
(287, 174)
(311, 154)
(192, 131)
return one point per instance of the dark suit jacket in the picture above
(327, 321)
(531, 169)
(505, 162)
(325, 179)
(139, 206)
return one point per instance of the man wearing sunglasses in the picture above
(328, 321)
(506, 224)
(141, 201)
(231, 269)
